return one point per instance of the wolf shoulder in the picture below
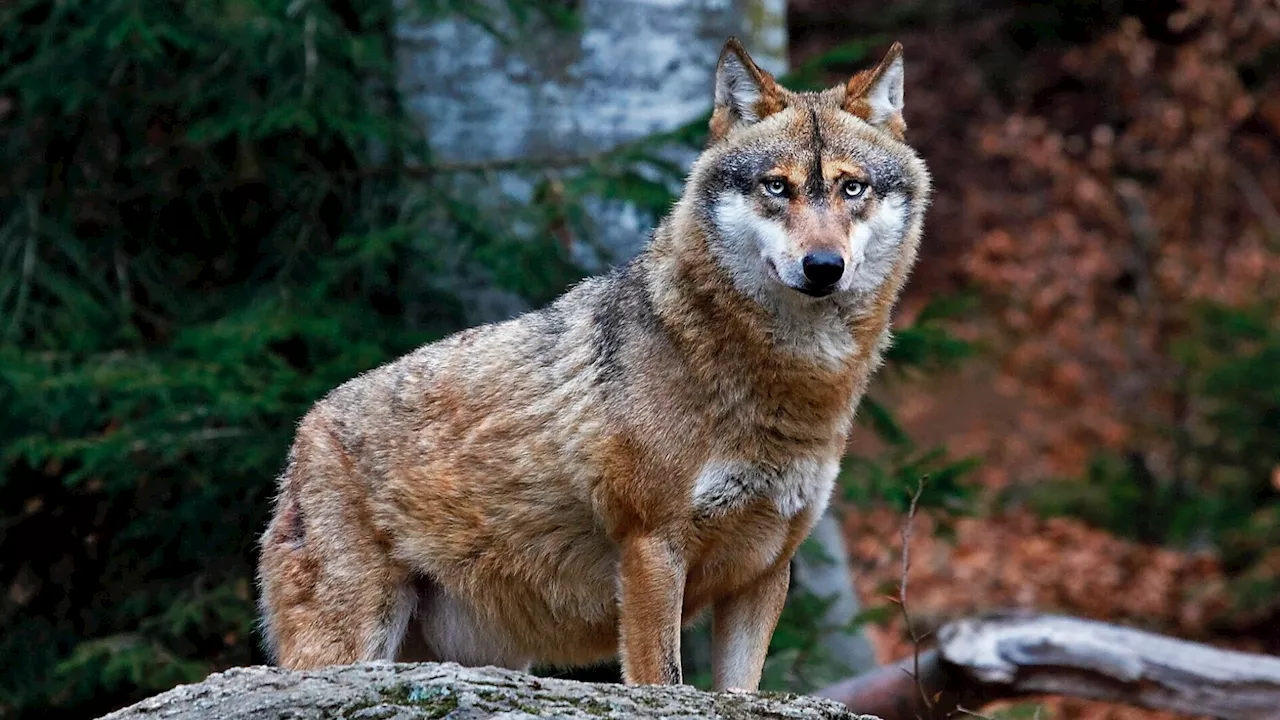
(589, 343)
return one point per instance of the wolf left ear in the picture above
(745, 93)
(876, 95)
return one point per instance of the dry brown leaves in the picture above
(1021, 561)
(1158, 192)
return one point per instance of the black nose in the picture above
(823, 268)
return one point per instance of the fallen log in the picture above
(427, 690)
(1011, 655)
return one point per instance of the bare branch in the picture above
(902, 591)
(1005, 656)
(1258, 201)
(28, 265)
(966, 711)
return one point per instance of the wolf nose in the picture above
(823, 268)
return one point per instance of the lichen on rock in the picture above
(382, 691)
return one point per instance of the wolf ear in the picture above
(876, 95)
(744, 93)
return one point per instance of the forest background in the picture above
(213, 213)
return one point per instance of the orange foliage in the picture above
(1092, 193)
(1108, 227)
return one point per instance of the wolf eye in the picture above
(775, 187)
(853, 189)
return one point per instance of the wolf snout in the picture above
(823, 268)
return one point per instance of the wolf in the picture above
(582, 481)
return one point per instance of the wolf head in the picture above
(809, 197)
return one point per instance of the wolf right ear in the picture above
(876, 95)
(745, 94)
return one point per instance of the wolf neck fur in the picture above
(767, 393)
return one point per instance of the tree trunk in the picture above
(628, 69)
(829, 577)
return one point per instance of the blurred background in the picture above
(213, 213)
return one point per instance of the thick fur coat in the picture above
(584, 479)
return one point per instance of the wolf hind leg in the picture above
(330, 593)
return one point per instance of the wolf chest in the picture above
(792, 487)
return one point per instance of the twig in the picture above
(207, 435)
(311, 57)
(28, 266)
(550, 162)
(434, 169)
(980, 716)
(415, 171)
(1145, 238)
(1258, 201)
(122, 279)
(902, 591)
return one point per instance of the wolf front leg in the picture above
(741, 628)
(652, 578)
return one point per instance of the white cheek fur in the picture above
(873, 245)
(750, 243)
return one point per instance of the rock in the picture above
(383, 691)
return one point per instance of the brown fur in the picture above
(528, 491)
